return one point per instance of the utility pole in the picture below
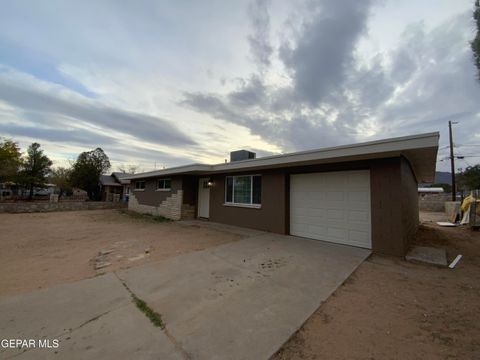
(452, 162)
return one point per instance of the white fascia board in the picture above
(171, 171)
(368, 150)
(396, 145)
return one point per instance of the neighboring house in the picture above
(432, 199)
(362, 195)
(10, 190)
(78, 194)
(6, 190)
(115, 187)
(430, 190)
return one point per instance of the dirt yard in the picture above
(391, 309)
(40, 250)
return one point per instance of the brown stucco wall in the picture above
(394, 206)
(150, 196)
(394, 201)
(385, 185)
(271, 216)
(409, 194)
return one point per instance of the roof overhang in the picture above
(110, 184)
(430, 190)
(420, 150)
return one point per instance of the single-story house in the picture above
(362, 194)
(430, 190)
(115, 187)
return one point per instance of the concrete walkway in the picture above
(240, 300)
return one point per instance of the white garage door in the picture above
(332, 206)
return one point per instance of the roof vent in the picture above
(241, 155)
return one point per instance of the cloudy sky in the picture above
(165, 83)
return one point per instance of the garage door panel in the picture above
(358, 196)
(336, 214)
(355, 179)
(337, 233)
(335, 196)
(358, 216)
(302, 196)
(359, 206)
(358, 236)
(315, 229)
(332, 206)
(301, 211)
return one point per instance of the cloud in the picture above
(323, 54)
(337, 96)
(259, 39)
(75, 136)
(146, 158)
(32, 95)
(279, 76)
(293, 116)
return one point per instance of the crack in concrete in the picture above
(67, 331)
(177, 345)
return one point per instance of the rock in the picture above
(427, 255)
(101, 265)
(103, 253)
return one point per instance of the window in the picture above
(164, 184)
(243, 190)
(139, 185)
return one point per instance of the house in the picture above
(432, 199)
(79, 194)
(115, 187)
(430, 190)
(6, 190)
(362, 194)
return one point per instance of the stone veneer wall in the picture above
(171, 207)
(29, 207)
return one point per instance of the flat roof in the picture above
(420, 150)
(430, 189)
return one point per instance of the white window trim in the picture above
(251, 205)
(135, 185)
(164, 189)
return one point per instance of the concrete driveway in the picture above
(241, 300)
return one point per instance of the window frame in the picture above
(248, 205)
(164, 188)
(139, 188)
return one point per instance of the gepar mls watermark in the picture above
(29, 343)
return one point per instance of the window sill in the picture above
(249, 206)
(138, 189)
(163, 190)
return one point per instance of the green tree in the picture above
(10, 160)
(35, 168)
(87, 169)
(476, 41)
(61, 178)
(469, 179)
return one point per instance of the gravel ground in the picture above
(40, 250)
(391, 309)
